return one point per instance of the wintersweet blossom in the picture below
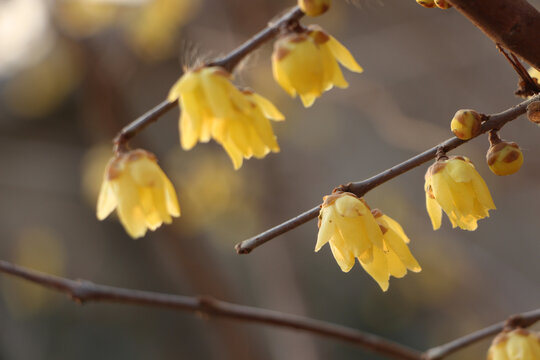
(517, 344)
(135, 185)
(306, 63)
(355, 232)
(453, 185)
(213, 108)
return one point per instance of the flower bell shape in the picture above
(306, 64)
(466, 124)
(354, 232)
(504, 158)
(517, 344)
(314, 7)
(136, 186)
(453, 185)
(213, 108)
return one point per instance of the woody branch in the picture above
(360, 188)
(81, 291)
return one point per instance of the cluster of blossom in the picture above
(305, 63)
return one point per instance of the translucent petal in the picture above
(345, 261)
(395, 266)
(171, 199)
(269, 110)
(378, 268)
(264, 130)
(459, 170)
(281, 78)
(308, 99)
(343, 55)
(354, 233)
(129, 210)
(191, 118)
(106, 200)
(400, 248)
(234, 153)
(434, 212)
(327, 229)
(145, 172)
(482, 192)
(394, 225)
(218, 92)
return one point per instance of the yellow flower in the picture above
(355, 232)
(306, 64)
(441, 4)
(314, 7)
(212, 107)
(136, 185)
(454, 185)
(518, 344)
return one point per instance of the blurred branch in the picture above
(515, 24)
(228, 62)
(360, 188)
(82, 291)
(521, 320)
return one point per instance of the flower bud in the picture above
(517, 344)
(314, 7)
(504, 158)
(443, 4)
(533, 112)
(426, 3)
(466, 124)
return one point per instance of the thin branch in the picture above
(360, 188)
(82, 291)
(522, 320)
(228, 62)
(515, 24)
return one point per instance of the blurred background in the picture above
(74, 72)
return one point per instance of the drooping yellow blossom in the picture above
(314, 7)
(355, 232)
(504, 158)
(212, 107)
(454, 185)
(136, 185)
(306, 64)
(517, 344)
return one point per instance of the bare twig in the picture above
(360, 188)
(84, 291)
(228, 62)
(522, 320)
(515, 24)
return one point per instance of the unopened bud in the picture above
(466, 124)
(504, 158)
(443, 4)
(426, 3)
(533, 112)
(314, 7)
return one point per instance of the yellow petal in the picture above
(344, 260)
(434, 212)
(400, 248)
(327, 228)
(354, 232)
(281, 78)
(170, 197)
(106, 201)
(395, 266)
(234, 153)
(378, 268)
(308, 99)
(269, 110)
(343, 55)
(394, 225)
(129, 210)
(482, 192)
